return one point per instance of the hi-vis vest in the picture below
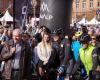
(86, 57)
(78, 34)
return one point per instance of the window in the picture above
(77, 4)
(84, 5)
(98, 4)
(91, 4)
(98, 13)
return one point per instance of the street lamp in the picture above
(34, 4)
(76, 11)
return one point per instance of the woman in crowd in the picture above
(46, 56)
(93, 40)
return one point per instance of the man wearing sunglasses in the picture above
(85, 56)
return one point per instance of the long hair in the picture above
(49, 41)
(45, 33)
(45, 48)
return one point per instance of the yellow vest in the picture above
(86, 57)
(78, 34)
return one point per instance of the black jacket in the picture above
(63, 50)
(96, 56)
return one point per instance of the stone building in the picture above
(85, 8)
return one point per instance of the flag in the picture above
(21, 12)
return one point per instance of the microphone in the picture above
(14, 45)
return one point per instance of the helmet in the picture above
(85, 39)
(57, 32)
(61, 69)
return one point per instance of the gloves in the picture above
(61, 70)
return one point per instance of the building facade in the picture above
(6, 4)
(85, 8)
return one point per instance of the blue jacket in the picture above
(75, 46)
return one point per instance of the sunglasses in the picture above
(93, 38)
(83, 42)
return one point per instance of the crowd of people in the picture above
(46, 55)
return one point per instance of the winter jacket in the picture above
(24, 62)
